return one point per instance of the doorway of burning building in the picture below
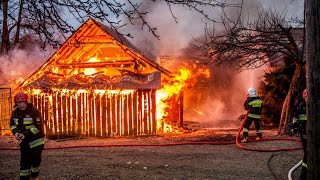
(5, 110)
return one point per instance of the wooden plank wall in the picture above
(94, 114)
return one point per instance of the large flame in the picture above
(186, 76)
(168, 90)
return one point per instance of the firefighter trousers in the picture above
(248, 124)
(30, 161)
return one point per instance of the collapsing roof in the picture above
(97, 57)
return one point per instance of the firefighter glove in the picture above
(294, 131)
(19, 136)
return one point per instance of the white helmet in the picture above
(252, 92)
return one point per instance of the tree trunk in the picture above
(313, 87)
(17, 37)
(288, 104)
(5, 43)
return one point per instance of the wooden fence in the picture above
(98, 114)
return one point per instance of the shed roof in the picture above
(96, 56)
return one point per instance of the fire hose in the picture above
(293, 169)
(180, 143)
(269, 150)
(265, 139)
(126, 145)
(186, 143)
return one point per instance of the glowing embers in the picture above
(36, 91)
(91, 71)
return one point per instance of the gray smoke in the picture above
(220, 105)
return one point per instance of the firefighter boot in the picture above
(259, 137)
(245, 140)
(35, 178)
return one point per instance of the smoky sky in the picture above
(219, 105)
(175, 36)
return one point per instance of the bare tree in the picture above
(5, 31)
(313, 84)
(46, 18)
(252, 44)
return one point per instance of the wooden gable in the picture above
(97, 57)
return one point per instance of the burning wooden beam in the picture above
(98, 64)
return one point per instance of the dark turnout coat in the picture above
(29, 123)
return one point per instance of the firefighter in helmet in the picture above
(300, 123)
(26, 126)
(253, 105)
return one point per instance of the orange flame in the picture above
(168, 90)
(90, 71)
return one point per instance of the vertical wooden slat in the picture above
(84, 113)
(97, 108)
(113, 113)
(80, 113)
(130, 115)
(39, 97)
(59, 106)
(103, 115)
(50, 112)
(43, 106)
(154, 112)
(142, 120)
(91, 116)
(121, 108)
(135, 113)
(125, 115)
(64, 113)
(69, 112)
(118, 112)
(145, 112)
(140, 105)
(87, 109)
(46, 117)
(54, 107)
(149, 113)
(94, 113)
(109, 115)
(74, 114)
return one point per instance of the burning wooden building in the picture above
(97, 84)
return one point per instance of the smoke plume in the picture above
(19, 64)
(220, 102)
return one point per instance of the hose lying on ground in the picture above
(269, 150)
(265, 139)
(293, 169)
(175, 144)
(126, 145)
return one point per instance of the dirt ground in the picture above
(172, 156)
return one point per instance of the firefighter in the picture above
(300, 123)
(26, 126)
(253, 105)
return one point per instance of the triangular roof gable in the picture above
(84, 40)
